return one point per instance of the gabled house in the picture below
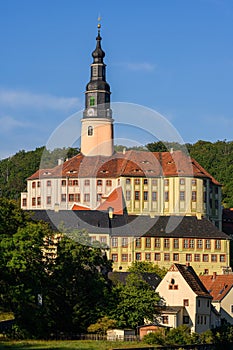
(220, 288)
(187, 301)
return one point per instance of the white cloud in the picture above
(26, 99)
(8, 123)
(138, 66)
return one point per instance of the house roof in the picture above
(130, 163)
(95, 221)
(191, 278)
(218, 285)
(151, 278)
(171, 309)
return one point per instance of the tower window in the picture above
(92, 101)
(90, 131)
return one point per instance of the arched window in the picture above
(92, 101)
(90, 131)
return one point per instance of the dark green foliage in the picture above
(134, 301)
(147, 266)
(15, 170)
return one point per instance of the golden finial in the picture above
(99, 25)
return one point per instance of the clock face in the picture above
(90, 112)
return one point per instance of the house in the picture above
(150, 328)
(120, 334)
(220, 288)
(161, 240)
(187, 301)
(151, 183)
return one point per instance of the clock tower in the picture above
(97, 122)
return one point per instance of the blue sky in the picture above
(174, 56)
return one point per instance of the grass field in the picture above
(63, 344)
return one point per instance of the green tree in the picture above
(134, 302)
(147, 266)
(102, 325)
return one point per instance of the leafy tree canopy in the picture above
(147, 266)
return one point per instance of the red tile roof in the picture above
(192, 279)
(218, 285)
(130, 163)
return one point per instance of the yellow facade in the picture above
(204, 255)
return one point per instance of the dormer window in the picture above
(90, 131)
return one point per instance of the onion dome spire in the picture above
(98, 54)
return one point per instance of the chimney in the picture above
(171, 150)
(214, 275)
(60, 161)
(124, 149)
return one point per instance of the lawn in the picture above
(65, 344)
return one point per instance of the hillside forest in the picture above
(216, 158)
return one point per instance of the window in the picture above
(165, 319)
(176, 243)
(206, 272)
(145, 181)
(194, 182)
(145, 196)
(138, 243)
(154, 182)
(137, 195)
(108, 182)
(70, 183)
(232, 309)
(199, 244)
(71, 197)
(166, 196)
(124, 242)
(186, 302)
(48, 200)
(191, 243)
(86, 182)
(38, 184)
(182, 181)
(99, 182)
(198, 303)
(222, 258)
(157, 256)
(214, 257)
(48, 183)
(63, 197)
(148, 256)
(128, 195)
(166, 257)
(188, 257)
(138, 256)
(185, 319)
(182, 195)
(38, 200)
(114, 257)
(63, 182)
(98, 197)
(175, 257)
(24, 202)
(33, 184)
(166, 243)
(90, 130)
(157, 242)
(197, 257)
(207, 244)
(33, 201)
(92, 100)
(217, 244)
(205, 257)
(77, 197)
(124, 257)
(114, 242)
(186, 243)
(154, 196)
(194, 196)
(148, 242)
(103, 239)
(128, 181)
(137, 181)
(86, 197)
(166, 182)
(75, 182)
